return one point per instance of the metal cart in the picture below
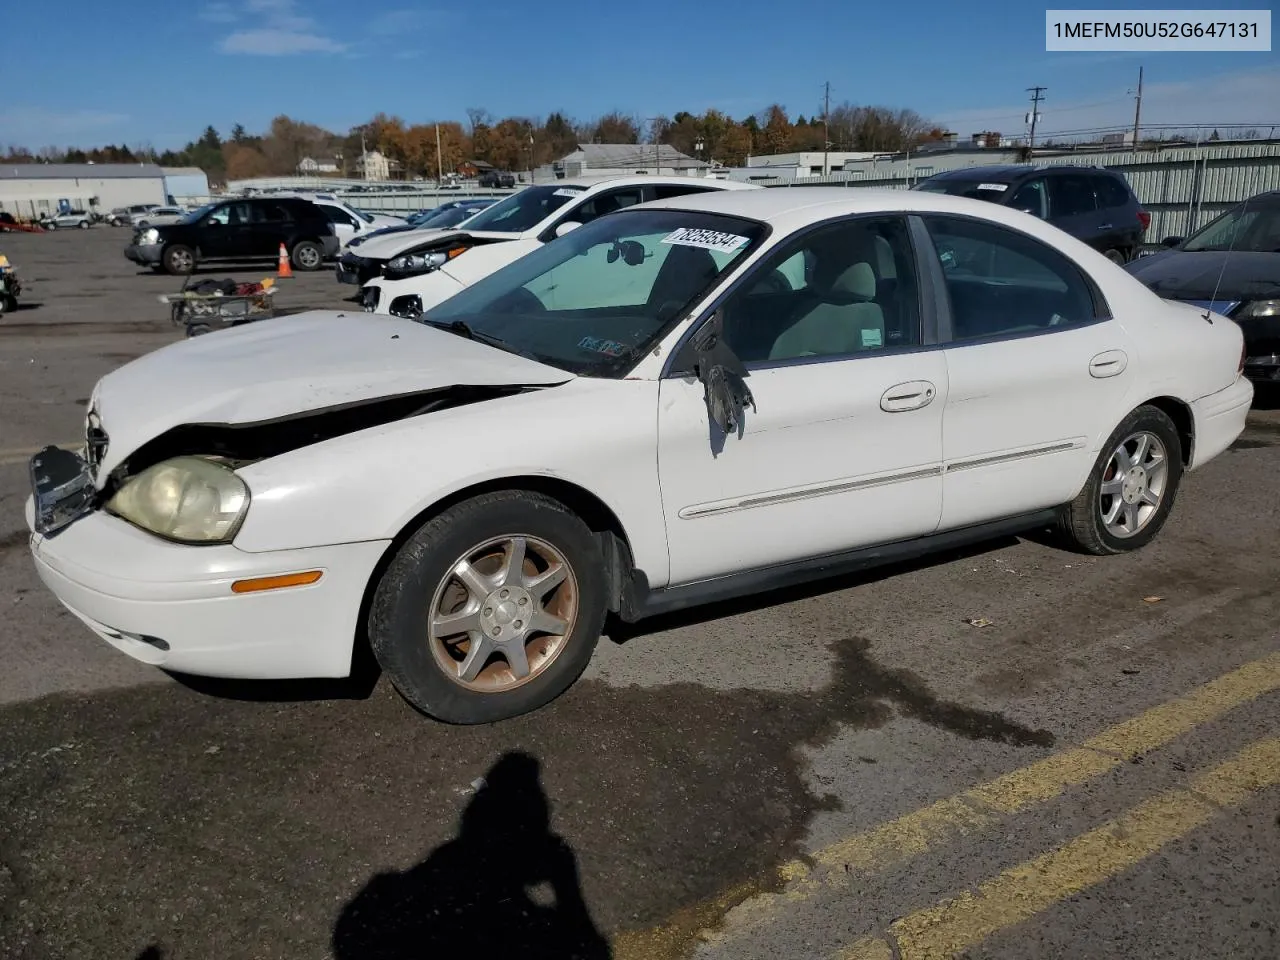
(203, 312)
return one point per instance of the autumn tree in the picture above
(615, 127)
(556, 139)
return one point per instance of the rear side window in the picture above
(271, 213)
(1004, 283)
(1071, 194)
(1111, 192)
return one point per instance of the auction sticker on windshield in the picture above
(1002, 187)
(706, 239)
(568, 191)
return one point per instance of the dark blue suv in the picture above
(1090, 203)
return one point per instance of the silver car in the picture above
(73, 218)
(157, 216)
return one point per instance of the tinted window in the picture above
(1001, 282)
(664, 191)
(595, 299)
(1070, 195)
(1111, 192)
(993, 190)
(1032, 197)
(270, 213)
(524, 210)
(1250, 227)
(609, 201)
(840, 291)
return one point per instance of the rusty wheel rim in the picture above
(503, 613)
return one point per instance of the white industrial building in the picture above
(797, 166)
(627, 159)
(185, 185)
(30, 189)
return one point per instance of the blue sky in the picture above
(158, 72)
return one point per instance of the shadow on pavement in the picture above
(506, 886)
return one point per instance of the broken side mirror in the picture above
(723, 377)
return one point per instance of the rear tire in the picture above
(83, 224)
(1114, 513)
(416, 604)
(1116, 256)
(307, 256)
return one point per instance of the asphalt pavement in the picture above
(852, 770)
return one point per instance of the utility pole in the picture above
(826, 125)
(364, 156)
(1137, 111)
(439, 158)
(1034, 115)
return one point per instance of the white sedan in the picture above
(685, 401)
(405, 274)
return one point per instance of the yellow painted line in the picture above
(912, 834)
(1030, 888)
(980, 807)
(22, 455)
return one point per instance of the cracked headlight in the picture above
(189, 499)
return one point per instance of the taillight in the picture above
(1144, 218)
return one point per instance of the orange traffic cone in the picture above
(282, 267)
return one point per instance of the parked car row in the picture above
(702, 390)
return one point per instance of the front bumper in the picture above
(431, 288)
(1219, 420)
(145, 254)
(357, 270)
(171, 605)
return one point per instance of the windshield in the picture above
(594, 300)
(524, 210)
(973, 189)
(366, 217)
(1249, 228)
(197, 213)
(450, 218)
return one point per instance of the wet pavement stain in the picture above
(14, 540)
(218, 827)
(1246, 444)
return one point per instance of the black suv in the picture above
(497, 178)
(1090, 203)
(245, 229)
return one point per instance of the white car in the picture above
(157, 216)
(348, 222)
(419, 272)
(702, 397)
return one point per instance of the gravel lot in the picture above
(705, 763)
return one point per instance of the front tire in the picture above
(491, 609)
(1131, 490)
(307, 256)
(179, 260)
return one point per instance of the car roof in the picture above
(1005, 173)
(640, 178)
(788, 208)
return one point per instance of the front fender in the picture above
(599, 435)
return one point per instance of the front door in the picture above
(1037, 372)
(844, 446)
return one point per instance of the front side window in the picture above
(1032, 198)
(592, 302)
(1004, 283)
(609, 201)
(524, 210)
(843, 290)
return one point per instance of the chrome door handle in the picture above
(912, 395)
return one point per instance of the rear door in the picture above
(272, 226)
(1073, 206)
(1118, 224)
(1038, 372)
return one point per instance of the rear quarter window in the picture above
(1111, 192)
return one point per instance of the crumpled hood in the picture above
(393, 244)
(278, 368)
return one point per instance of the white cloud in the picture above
(39, 126)
(1243, 97)
(274, 28)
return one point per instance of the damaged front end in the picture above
(182, 484)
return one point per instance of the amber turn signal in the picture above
(276, 583)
